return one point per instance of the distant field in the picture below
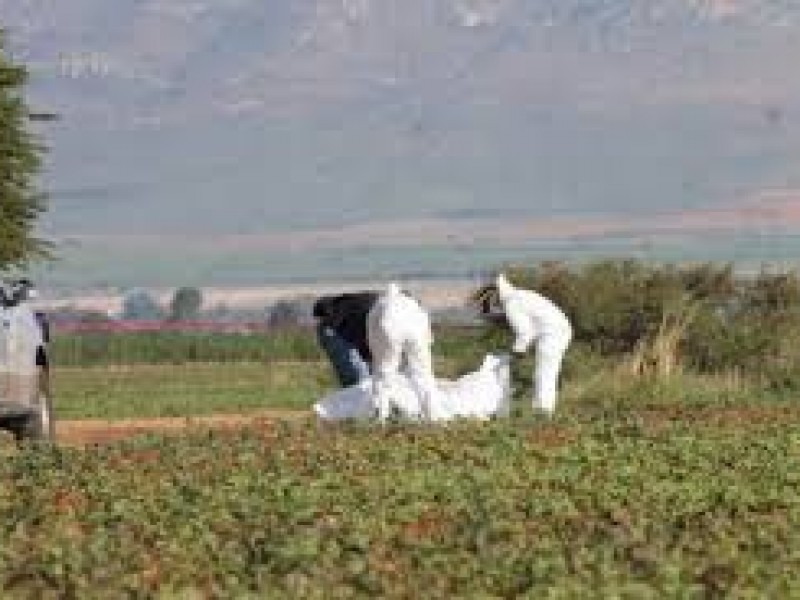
(147, 390)
(181, 390)
(198, 388)
(435, 294)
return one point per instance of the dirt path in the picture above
(86, 432)
(98, 431)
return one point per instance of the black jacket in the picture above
(346, 314)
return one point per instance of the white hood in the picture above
(504, 287)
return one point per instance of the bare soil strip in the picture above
(86, 432)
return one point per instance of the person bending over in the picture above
(400, 338)
(342, 333)
(534, 321)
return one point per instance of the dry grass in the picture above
(659, 355)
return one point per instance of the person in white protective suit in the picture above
(481, 395)
(400, 337)
(536, 320)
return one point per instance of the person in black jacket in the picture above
(342, 333)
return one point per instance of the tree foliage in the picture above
(139, 304)
(726, 320)
(290, 312)
(21, 203)
(185, 304)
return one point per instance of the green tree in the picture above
(185, 305)
(21, 202)
(289, 312)
(139, 304)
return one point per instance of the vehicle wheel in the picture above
(19, 425)
(39, 426)
(30, 429)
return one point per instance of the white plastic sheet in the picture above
(480, 394)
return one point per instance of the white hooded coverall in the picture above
(536, 319)
(399, 335)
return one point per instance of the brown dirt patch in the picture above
(552, 436)
(100, 431)
(732, 417)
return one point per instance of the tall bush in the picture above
(619, 306)
(21, 202)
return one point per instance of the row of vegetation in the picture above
(706, 318)
(177, 347)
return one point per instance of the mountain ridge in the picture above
(252, 118)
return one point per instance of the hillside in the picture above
(188, 120)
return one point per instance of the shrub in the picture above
(139, 304)
(185, 304)
(628, 307)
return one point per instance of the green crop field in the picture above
(140, 391)
(640, 488)
(658, 502)
(137, 375)
(189, 389)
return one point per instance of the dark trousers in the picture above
(347, 363)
